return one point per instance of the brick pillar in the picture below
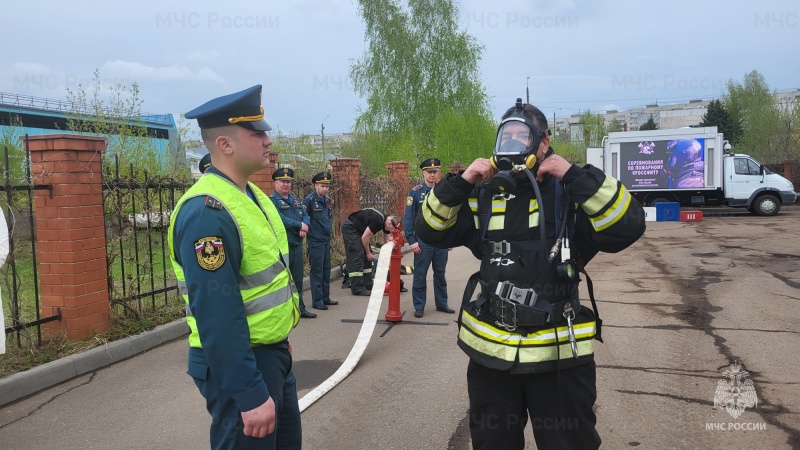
(346, 172)
(263, 178)
(398, 174)
(70, 233)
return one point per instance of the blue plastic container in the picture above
(668, 212)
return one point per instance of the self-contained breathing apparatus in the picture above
(518, 140)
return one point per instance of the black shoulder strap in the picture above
(472, 283)
(599, 332)
(484, 213)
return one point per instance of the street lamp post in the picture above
(322, 131)
(555, 128)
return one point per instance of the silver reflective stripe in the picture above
(262, 303)
(268, 301)
(261, 278)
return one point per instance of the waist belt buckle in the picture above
(501, 248)
(502, 322)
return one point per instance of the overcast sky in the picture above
(601, 54)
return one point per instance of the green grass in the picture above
(127, 317)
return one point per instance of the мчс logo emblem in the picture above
(210, 252)
(736, 393)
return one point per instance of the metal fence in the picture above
(137, 208)
(20, 272)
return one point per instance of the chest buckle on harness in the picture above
(497, 248)
(508, 292)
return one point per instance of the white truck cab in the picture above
(750, 185)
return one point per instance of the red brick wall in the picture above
(263, 178)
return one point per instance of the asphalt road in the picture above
(679, 307)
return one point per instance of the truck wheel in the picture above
(766, 205)
(654, 201)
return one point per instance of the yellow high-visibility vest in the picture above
(270, 302)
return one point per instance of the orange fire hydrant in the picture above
(393, 313)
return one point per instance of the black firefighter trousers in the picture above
(559, 404)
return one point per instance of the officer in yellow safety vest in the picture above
(228, 248)
(534, 220)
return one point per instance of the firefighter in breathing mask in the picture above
(533, 220)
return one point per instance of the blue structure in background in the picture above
(37, 116)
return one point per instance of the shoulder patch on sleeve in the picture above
(213, 203)
(210, 253)
(409, 200)
(416, 188)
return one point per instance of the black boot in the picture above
(357, 286)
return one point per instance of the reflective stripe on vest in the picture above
(270, 303)
(539, 346)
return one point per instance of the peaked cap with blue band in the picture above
(283, 174)
(242, 108)
(431, 164)
(322, 177)
(205, 161)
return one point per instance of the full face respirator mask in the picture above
(515, 149)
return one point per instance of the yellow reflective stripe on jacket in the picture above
(499, 206)
(615, 212)
(548, 337)
(438, 216)
(473, 205)
(504, 352)
(497, 223)
(489, 332)
(564, 351)
(602, 197)
(535, 347)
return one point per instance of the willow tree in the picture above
(419, 75)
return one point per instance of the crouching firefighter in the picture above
(534, 220)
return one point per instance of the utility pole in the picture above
(322, 131)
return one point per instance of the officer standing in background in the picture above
(318, 241)
(534, 220)
(357, 231)
(425, 254)
(205, 161)
(296, 222)
(227, 246)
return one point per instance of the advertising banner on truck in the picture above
(672, 164)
